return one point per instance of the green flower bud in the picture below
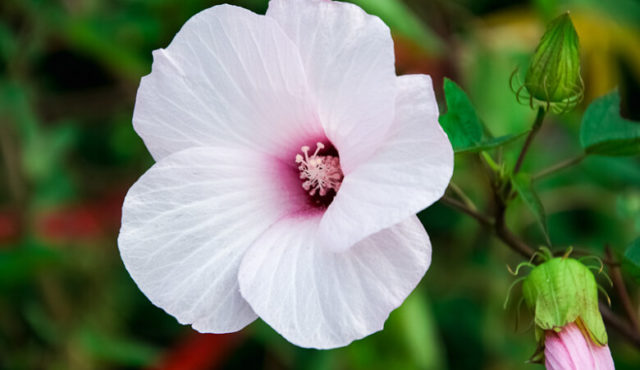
(553, 79)
(560, 291)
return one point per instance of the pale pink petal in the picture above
(349, 59)
(602, 357)
(571, 350)
(228, 77)
(408, 173)
(317, 298)
(186, 224)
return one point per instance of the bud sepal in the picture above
(562, 290)
(553, 79)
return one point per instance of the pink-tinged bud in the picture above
(570, 349)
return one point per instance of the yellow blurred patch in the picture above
(603, 42)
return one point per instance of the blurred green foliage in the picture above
(604, 132)
(632, 259)
(69, 70)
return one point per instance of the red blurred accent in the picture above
(9, 227)
(412, 58)
(199, 352)
(81, 222)
(68, 224)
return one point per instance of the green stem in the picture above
(461, 207)
(560, 166)
(623, 295)
(518, 245)
(534, 130)
(462, 195)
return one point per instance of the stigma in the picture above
(320, 173)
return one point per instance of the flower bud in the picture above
(561, 291)
(553, 78)
(571, 349)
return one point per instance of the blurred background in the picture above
(69, 71)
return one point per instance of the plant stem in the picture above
(560, 166)
(459, 206)
(518, 245)
(511, 240)
(621, 326)
(621, 290)
(534, 130)
(462, 195)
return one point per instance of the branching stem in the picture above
(620, 325)
(630, 332)
(559, 167)
(462, 195)
(621, 291)
(534, 130)
(460, 206)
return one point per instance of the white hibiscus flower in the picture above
(291, 162)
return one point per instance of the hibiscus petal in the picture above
(407, 174)
(349, 59)
(570, 349)
(229, 76)
(317, 298)
(602, 357)
(185, 226)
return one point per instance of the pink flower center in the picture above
(321, 174)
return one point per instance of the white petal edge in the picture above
(229, 76)
(186, 224)
(320, 299)
(409, 172)
(349, 60)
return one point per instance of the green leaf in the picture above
(631, 261)
(461, 123)
(463, 126)
(524, 186)
(605, 132)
